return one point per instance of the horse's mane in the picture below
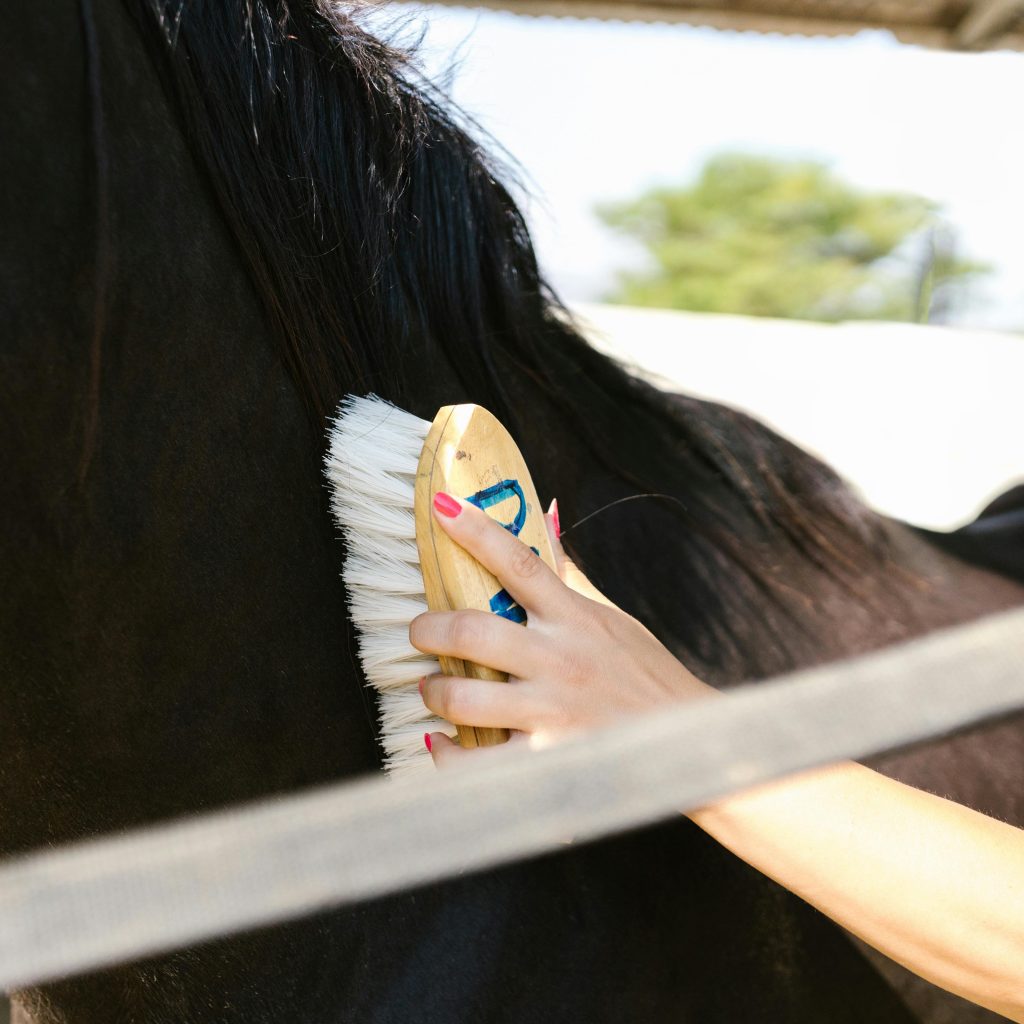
(374, 223)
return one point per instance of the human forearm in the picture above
(933, 885)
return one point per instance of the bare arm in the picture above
(934, 885)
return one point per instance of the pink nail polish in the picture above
(446, 505)
(554, 516)
(426, 741)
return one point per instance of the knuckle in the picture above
(569, 667)
(581, 618)
(605, 623)
(524, 563)
(559, 711)
(464, 631)
(577, 609)
(578, 672)
(452, 702)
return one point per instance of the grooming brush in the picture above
(384, 466)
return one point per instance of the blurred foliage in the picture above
(778, 238)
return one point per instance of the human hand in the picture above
(579, 661)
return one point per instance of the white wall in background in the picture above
(926, 422)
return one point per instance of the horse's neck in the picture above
(911, 590)
(917, 590)
(930, 589)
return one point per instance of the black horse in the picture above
(219, 217)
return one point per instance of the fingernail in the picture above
(421, 682)
(446, 505)
(554, 516)
(426, 741)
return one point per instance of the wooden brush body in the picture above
(470, 455)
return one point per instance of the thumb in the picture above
(568, 571)
(445, 752)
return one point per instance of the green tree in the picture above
(778, 238)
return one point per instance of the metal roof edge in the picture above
(735, 21)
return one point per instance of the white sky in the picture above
(596, 111)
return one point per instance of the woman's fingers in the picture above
(448, 754)
(479, 702)
(568, 572)
(444, 751)
(518, 569)
(481, 637)
(554, 530)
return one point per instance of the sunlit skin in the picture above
(934, 885)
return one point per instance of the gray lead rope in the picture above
(111, 900)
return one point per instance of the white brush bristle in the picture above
(371, 465)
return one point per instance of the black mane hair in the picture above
(375, 225)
